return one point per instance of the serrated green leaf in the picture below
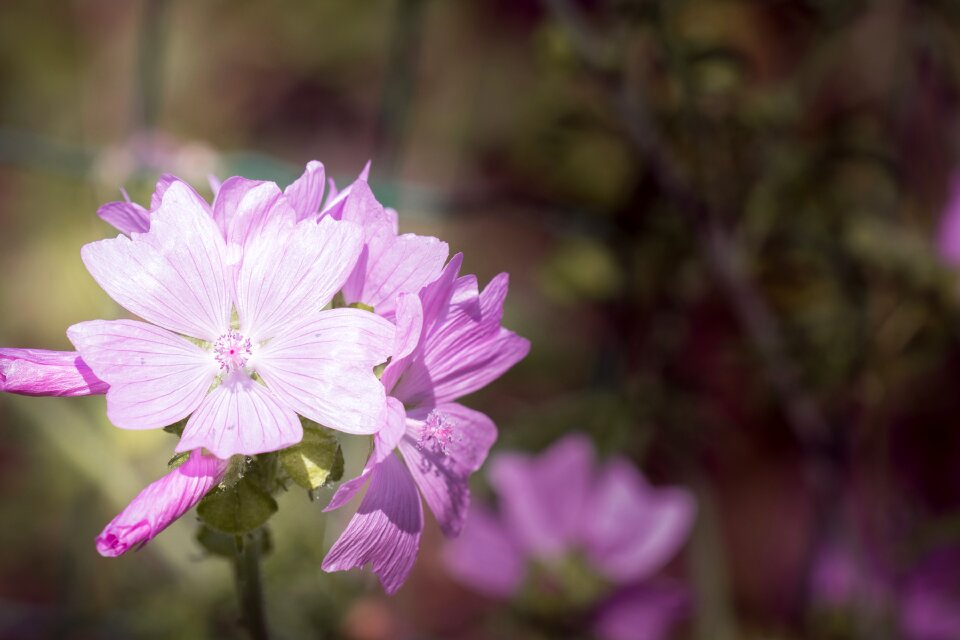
(316, 460)
(238, 509)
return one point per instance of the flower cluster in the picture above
(572, 538)
(266, 314)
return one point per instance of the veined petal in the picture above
(409, 321)
(442, 469)
(162, 502)
(465, 350)
(126, 217)
(38, 372)
(156, 377)
(543, 498)
(385, 531)
(322, 367)
(163, 183)
(241, 417)
(632, 529)
(306, 193)
(485, 556)
(291, 272)
(646, 612)
(174, 275)
(244, 207)
(394, 425)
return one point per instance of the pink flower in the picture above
(948, 236)
(162, 502)
(559, 504)
(187, 275)
(450, 343)
(38, 372)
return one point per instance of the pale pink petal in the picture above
(646, 612)
(162, 502)
(291, 272)
(464, 350)
(631, 529)
(163, 183)
(215, 184)
(174, 275)
(441, 467)
(306, 193)
(126, 217)
(385, 532)
(241, 417)
(38, 372)
(337, 200)
(321, 366)
(544, 498)
(244, 207)
(394, 423)
(409, 321)
(156, 377)
(485, 557)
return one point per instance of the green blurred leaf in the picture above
(238, 509)
(316, 461)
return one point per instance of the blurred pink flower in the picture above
(38, 372)
(559, 504)
(948, 235)
(930, 598)
(186, 275)
(449, 344)
(162, 502)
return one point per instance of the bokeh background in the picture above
(721, 222)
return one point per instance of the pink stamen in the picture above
(232, 350)
(438, 431)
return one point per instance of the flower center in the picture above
(232, 350)
(439, 432)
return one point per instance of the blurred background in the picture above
(722, 221)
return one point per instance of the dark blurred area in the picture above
(721, 219)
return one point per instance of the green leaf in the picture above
(225, 544)
(316, 460)
(238, 509)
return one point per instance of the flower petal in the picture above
(443, 475)
(244, 207)
(306, 193)
(241, 417)
(632, 529)
(543, 498)
(291, 272)
(645, 612)
(156, 377)
(485, 556)
(409, 321)
(126, 217)
(174, 275)
(465, 349)
(322, 367)
(394, 421)
(38, 372)
(385, 531)
(162, 502)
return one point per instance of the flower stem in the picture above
(249, 588)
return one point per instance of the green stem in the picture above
(249, 587)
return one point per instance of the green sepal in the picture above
(360, 305)
(338, 301)
(225, 544)
(176, 428)
(178, 459)
(315, 461)
(237, 509)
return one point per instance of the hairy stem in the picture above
(246, 566)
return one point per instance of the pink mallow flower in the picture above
(39, 372)
(162, 502)
(187, 275)
(560, 507)
(449, 344)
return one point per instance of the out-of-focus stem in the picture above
(249, 585)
